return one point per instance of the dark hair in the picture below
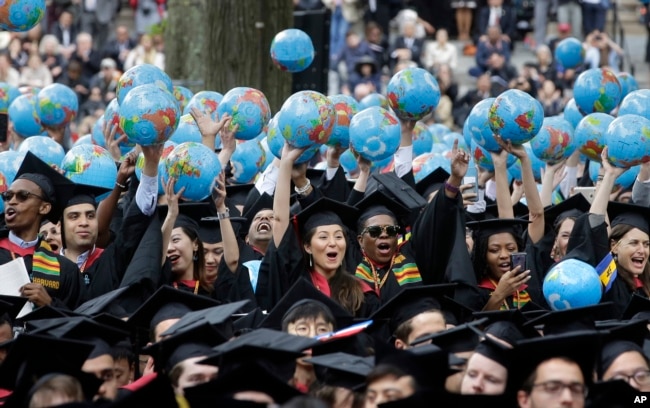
(528, 384)
(617, 233)
(123, 352)
(327, 393)
(308, 310)
(404, 330)
(384, 370)
(175, 374)
(199, 261)
(480, 253)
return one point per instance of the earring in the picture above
(615, 256)
(311, 261)
(196, 256)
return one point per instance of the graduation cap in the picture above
(85, 194)
(158, 393)
(611, 394)
(620, 337)
(432, 182)
(629, 214)
(325, 211)
(570, 320)
(428, 364)
(378, 203)
(237, 195)
(210, 228)
(342, 369)
(507, 325)
(456, 340)
(11, 306)
(396, 189)
(55, 187)
(218, 316)
(572, 207)
(637, 308)
(263, 202)
(301, 292)
(495, 351)
(46, 312)
(102, 336)
(492, 226)
(248, 321)
(315, 176)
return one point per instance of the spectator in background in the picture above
(65, 32)
(563, 31)
(94, 105)
(8, 73)
(408, 15)
(147, 13)
(35, 74)
(551, 98)
(440, 52)
(96, 19)
(570, 12)
(602, 52)
(471, 98)
(73, 78)
(344, 12)
(145, 53)
(464, 11)
(494, 44)
(119, 47)
(594, 13)
(448, 94)
(496, 14)
(367, 72)
(522, 83)
(382, 11)
(106, 80)
(88, 58)
(407, 46)
(545, 66)
(355, 48)
(542, 8)
(51, 56)
(499, 68)
(646, 22)
(378, 44)
(17, 54)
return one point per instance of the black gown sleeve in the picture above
(145, 262)
(337, 188)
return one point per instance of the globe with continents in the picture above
(628, 141)
(149, 115)
(58, 105)
(438, 130)
(554, 142)
(23, 113)
(7, 95)
(570, 53)
(139, 163)
(141, 75)
(413, 93)
(589, 135)
(516, 116)
(307, 118)
(45, 148)
(275, 143)
(21, 15)
(112, 117)
(187, 131)
(374, 99)
(483, 159)
(597, 90)
(249, 110)
(346, 107)
(636, 103)
(478, 125)
(91, 165)
(628, 83)
(183, 96)
(572, 283)
(292, 50)
(422, 139)
(206, 102)
(194, 167)
(247, 161)
(375, 134)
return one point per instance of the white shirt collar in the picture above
(20, 242)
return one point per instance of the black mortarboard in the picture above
(629, 214)
(157, 393)
(410, 302)
(121, 302)
(56, 188)
(85, 194)
(378, 203)
(103, 337)
(637, 308)
(101, 303)
(210, 228)
(396, 189)
(248, 321)
(495, 351)
(263, 202)
(237, 194)
(492, 226)
(302, 291)
(315, 176)
(611, 394)
(443, 398)
(45, 313)
(325, 211)
(11, 305)
(428, 364)
(620, 337)
(218, 316)
(432, 182)
(572, 207)
(342, 369)
(570, 320)
(456, 340)
(507, 325)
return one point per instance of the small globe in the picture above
(626, 180)
(292, 50)
(23, 113)
(45, 148)
(422, 139)
(149, 115)
(537, 164)
(91, 165)
(427, 163)
(346, 107)
(441, 148)
(268, 155)
(628, 140)
(597, 90)
(437, 131)
(628, 83)
(450, 138)
(97, 132)
(570, 53)
(58, 105)
(483, 159)
(247, 160)
(248, 108)
(21, 15)
(572, 113)
(554, 142)
(194, 166)
(276, 142)
(206, 102)
(139, 164)
(374, 99)
(183, 96)
(142, 74)
(375, 133)
(349, 163)
(636, 103)
(589, 135)
(413, 93)
(572, 283)
(307, 118)
(112, 117)
(85, 139)
(187, 131)
(516, 116)
(478, 124)
(10, 162)
(7, 95)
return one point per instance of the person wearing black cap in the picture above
(622, 356)
(487, 369)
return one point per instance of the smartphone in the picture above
(587, 192)
(518, 259)
(471, 177)
(4, 127)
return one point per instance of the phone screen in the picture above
(471, 177)
(518, 259)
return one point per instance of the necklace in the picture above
(375, 276)
(196, 287)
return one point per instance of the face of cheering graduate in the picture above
(382, 248)
(327, 248)
(499, 248)
(80, 227)
(562, 239)
(51, 233)
(310, 327)
(103, 367)
(181, 251)
(550, 386)
(483, 376)
(26, 208)
(632, 251)
(631, 367)
(212, 254)
(261, 229)
(388, 388)
(193, 374)
(422, 325)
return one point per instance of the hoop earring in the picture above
(196, 256)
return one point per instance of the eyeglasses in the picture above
(21, 195)
(640, 377)
(556, 388)
(376, 230)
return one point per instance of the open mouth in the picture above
(10, 213)
(332, 256)
(264, 227)
(384, 248)
(638, 262)
(54, 247)
(174, 259)
(504, 266)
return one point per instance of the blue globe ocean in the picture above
(478, 125)
(516, 116)
(589, 135)
(628, 140)
(91, 165)
(206, 102)
(247, 161)
(24, 114)
(413, 93)
(143, 74)
(375, 133)
(636, 103)
(346, 107)
(194, 166)
(149, 115)
(292, 50)
(570, 53)
(187, 131)
(45, 148)
(597, 90)
(572, 283)
(58, 105)
(554, 141)
(307, 118)
(572, 113)
(249, 110)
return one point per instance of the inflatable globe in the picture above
(139, 164)
(85, 139)
(628, 140)
(467, 134)
(248, 108)
(97, 132)
(636, 103)
(570, 53)
(375, 133)
(516, 116)
(537, 165)
(427, 163)
(268, 155)
(597, 90)
(450, 138)
(183, 96)
(386, 165)
(441, 148)
(149, 115)
(483, 158)
(307, 118)
(91, 165)
(346, 107)
(10, 162)
(628, 83)
(45, 148)
(23, 113)
(422, 139)
(349, 163)
(478, 125)
(589, 135)
(194, 166)
(374, 99)
(7, 95)
(112, 117)
(438, 130)
(206, 102)
(247, 161)
(58, 105)
(572, 113)
(187, 131)
(276, 142)
(292, 50)
(21, 15)
(572, 283)
(413, 93)
(142, 74)
(554, 142)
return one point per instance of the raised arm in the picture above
(549, 181)
(504, 203)
(209, 128)
(230, 245)
(281, 198)
(172, 214)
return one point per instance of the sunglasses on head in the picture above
(21, 195)
(376, 230)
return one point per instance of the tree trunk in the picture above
(237, 47)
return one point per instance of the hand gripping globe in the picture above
(248, 108)
(516, 116)
(45, 148)
(292, 50)
(597, 90)
(91, 165)
(413, 93)
(572, 283)
(193, 166)
(628, 141)
(139, 164)
(478, 124)
(307, 118)
(23, 113)
(483, 159)
(58, 105)
(554, 142)
(589, 135)
(537, 164)
(112, 117)
(206, 102)
(375, 133)
(346, 107)
(142, 74)
(21, 15)
(275, 143)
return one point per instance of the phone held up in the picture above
(471, 178)
(518, 259)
